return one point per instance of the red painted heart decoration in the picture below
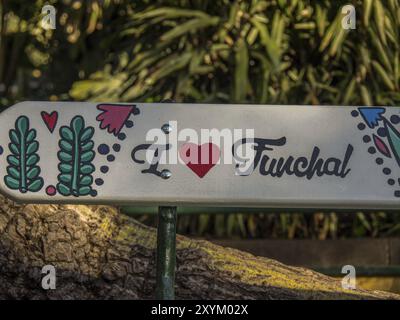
(50, 119)
(200, 158)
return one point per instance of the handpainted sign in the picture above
(218, 155)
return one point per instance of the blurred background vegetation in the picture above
(221, 51)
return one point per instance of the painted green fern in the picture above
(23, 171)
(76, 155)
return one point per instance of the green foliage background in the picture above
(256, 51)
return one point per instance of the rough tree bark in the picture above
(101, 254)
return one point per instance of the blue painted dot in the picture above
(1, 150)
(387, 171)
(103, 149)
(395, 119)
(367, 139)
(99, 182)
(129, 124)
(104, 169)
(117, 147)
(354, 113)
(110, 158)
(382, 132)
(122, 136)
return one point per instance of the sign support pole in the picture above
(166, 253)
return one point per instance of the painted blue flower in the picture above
(372, 115)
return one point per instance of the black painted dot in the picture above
(117, 147)
(93, 193)
(391, 182)
(361, 126)
(397, 194)
(104, 169)
(1, 150)
(354, 113)
(110, 158)
(371, 150)
(367, 139)
(382, 132)
(99, 182)
(103, 149)
(387, 171)
(129, 123)
(136, 111)
(379, 161)
(395, 119)
(122, 136)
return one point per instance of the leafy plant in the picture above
(23, 171)
(76, 155)
(261, 51)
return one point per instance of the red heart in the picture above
(50, 119)
(200, 159)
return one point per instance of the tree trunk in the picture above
(99, 253)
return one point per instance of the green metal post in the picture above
(166, 253)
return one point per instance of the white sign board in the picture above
(186, 154)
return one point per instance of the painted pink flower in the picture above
(114, 116)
